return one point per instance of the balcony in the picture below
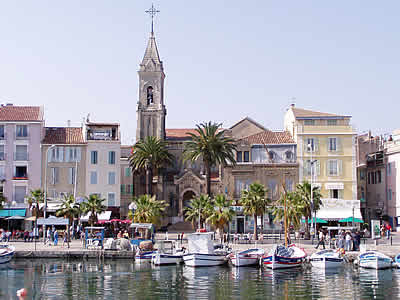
(21, 156)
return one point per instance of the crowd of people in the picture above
(349, 241)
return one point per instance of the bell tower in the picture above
(151, 110)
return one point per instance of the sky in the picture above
(223, 60)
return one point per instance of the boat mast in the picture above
(285, 214)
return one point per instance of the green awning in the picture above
(321, 221)
(12, 212)
(350, 220)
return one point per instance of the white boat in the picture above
(143, 256)
(374, 260)
(6, 253)
(167, 254)
(326, 259)
(281, 257)
(201, 251)
(247, 257)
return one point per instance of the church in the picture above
(264, 156)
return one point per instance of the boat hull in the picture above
(375, 262)
(204, 260)
(7, 255)
(279, 262)
(144, 257)
(326, 262)
(166, 259)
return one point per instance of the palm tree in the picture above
(209, 144)
(294, 209)
(3, 200)
(149, 155)
(148, 209)
(94, 206)
(254, 202)
(304, 191)
(35, 197)
(221, 214)
(199, 208)
(68, 209)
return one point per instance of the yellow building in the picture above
(327, 140)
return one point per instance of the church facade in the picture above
(263, 155)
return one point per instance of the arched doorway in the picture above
(186, 197)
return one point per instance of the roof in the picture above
(251, 121)
(10, 112)
(151, 52)
(63, 135)
(182, 133)
(304, 113)
(89, 124)
(269, 137)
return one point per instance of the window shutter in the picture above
(78, 154)
(122, 189)
(318, 168)
(328, 145)
(327, 168)
(70, 181)
(305, 145)
(61, 154)
(340, 169)
(316, 144)
(338, 144)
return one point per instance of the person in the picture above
(348, 241)
(341, 241)
(321, 240)
(65, 239)
(382, 229)
(26, 236)
(8, 234)
(30, 236)
(388, 230)
(249, 237)
(48, 235)
(289, 241)
(55, 237)
(166, 235)
(357, 241)
(119, 235)
(126, 235)
(182, 237)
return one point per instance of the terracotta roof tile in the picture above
(20, 113)
(181, 133)
(304, 113)
(269, 137)
(63, 135)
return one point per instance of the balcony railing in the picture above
(21, 156)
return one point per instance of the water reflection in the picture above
(54, 279)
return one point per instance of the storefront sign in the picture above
(375, 229)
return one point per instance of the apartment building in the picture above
(326, 149)
(103, 154)
(64, 150)
(127, 185)
(21, 132)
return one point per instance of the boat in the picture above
(144, 256)
(397, 261)
(167, 254)
(374, 260)
(281, 257)
(247, 257)
(201, 251)
(327, 259)
(6, 253)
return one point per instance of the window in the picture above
(389, 169)
(311, 144)
(335, 194)
(378, 177)
(56, 154)
(54, 175)
(240, 185)
(372, 177)
(362, 174)
(111, 157)
(272, 155)
(21, 152)
(19, 194)
(111, 199)
(93, 157)
(239, 155)
(246, 156)
(22, 131)
(272, 189)
(332, 144)
(289, 184)
(259, 154)
(93, 177)
(309, 122)
(315, 168)
(111, 177)
(122, 189)
(149, 95)
(128, 172)
(21, 172)
(333, 167)
(289, 155)
(369, 178)
(71, 175)
(129, 189)
(2, 172)
(2, 134)
(2, 153)
(72, 154)
(332, 122)
(389, 194)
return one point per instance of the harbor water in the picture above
(123, 279)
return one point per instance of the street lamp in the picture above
(45, 192)
(313, 221)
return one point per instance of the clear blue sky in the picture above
(223, 60)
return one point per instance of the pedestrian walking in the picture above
(55, 237)
(388, 230)
(348, 241)
(321, 240)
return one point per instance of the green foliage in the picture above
(94, 206)
(69, 208)
(202, 205)
(210, 145)
(221, 213)
(35, 196)
(3, 200)
(148, 209)
(294, 209)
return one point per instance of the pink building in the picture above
(21, 132)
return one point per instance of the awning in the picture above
(12, 212)
(334, 186)
(52, 221)
(104, 216)
(337, 209)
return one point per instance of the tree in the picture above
(304, 191)
(68, 209)
(149, 154)
(35, 197)
(3, 200)
(221, 214)
(209, 144)
(294, 209)
(199, 206)
(94, 206)
(148, 209)
(254, 202)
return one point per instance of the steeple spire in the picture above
(152, 12)
(151, 53)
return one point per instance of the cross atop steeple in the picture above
(152, 12)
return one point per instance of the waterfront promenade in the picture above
(76, 249)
